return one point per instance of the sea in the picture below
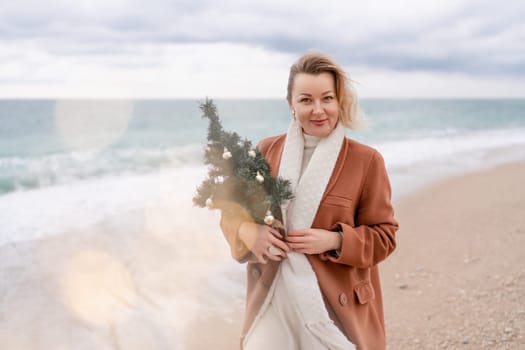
(73, 163)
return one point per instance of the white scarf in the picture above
(297, 275)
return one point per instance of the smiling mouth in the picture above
(318, 122)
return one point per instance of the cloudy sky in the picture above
(243, 48)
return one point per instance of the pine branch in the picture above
(233, 172)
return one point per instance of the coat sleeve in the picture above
(373, 237)
(232, 216)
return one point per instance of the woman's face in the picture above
(315, 103)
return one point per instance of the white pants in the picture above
(280, 327)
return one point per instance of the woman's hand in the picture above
(259, 239)
(313, 240)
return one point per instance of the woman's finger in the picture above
(281, 245)
(276, 233)
(295, 239)
(296, 233)
(274, 257)
(278, 252)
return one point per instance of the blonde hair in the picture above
(317, 63)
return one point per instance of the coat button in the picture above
(256, 273)
(342, 299)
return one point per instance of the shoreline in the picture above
(457, 276)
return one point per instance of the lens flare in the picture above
(98, 289)
(91, 124)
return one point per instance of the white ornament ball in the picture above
(209, 203)
(269, 219)
(251, 153)
(227, 154)
(259, 178)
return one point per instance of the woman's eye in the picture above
(328, 98)
(305, 99)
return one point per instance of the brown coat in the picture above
(356, 200)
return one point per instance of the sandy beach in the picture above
(456, 280)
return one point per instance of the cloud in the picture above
(402, 35)
(467, 37)
(179, 70)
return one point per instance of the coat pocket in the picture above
(364, 292)
(336, 200)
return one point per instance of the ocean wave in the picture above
(439, 147)
(23, 173)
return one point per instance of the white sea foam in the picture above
(163, 202)
(401, 153)
(416, 163)
(31, 214)
(19, 173)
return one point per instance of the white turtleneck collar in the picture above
(310, 142)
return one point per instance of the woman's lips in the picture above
(318, 122)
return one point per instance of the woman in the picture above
(318, 287)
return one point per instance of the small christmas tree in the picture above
(239, 173)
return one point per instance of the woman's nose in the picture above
(317, 107)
